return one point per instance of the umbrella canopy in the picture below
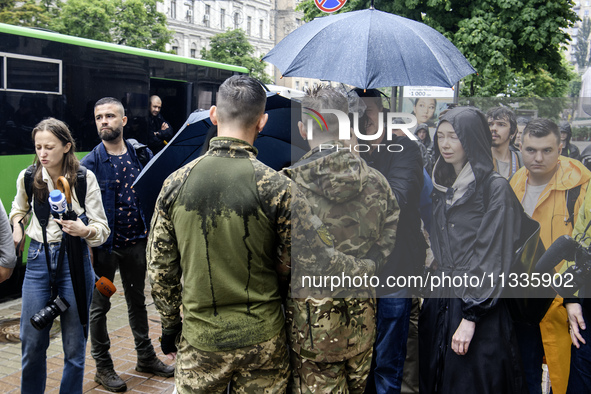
(74, 249)
(279, 145)
(370, 49)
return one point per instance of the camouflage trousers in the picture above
(349, 376)
(261, 368)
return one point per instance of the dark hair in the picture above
(504, 113)
(444, 172)
(415, 101)
(371, 93)
(70, 164)
(241, 98)
(541, 127)
(111, 100)
(325, 97)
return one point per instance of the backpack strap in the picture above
(81, 186)
(571, 199)
(29, 175)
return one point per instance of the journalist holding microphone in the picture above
(47, 288)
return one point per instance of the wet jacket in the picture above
(552, 213)
(228, 225)
(404, 172)
(475, 224)
(356, 204)
(99, 162)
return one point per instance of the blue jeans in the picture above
(392, 322)
(36, 294)
(579, 380)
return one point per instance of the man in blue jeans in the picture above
(404, 172)
(116, 166)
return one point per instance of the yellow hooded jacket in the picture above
(552, 213)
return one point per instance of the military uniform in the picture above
(332, 338)
(219, 222)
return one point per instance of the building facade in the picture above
(265, 22)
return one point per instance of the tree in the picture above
(27, 13)
(581, 49)
(232, 47)
(502, 39)
(135, 23)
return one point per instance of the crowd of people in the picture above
(230, 240)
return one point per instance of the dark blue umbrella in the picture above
(279, 145)
(370, 49)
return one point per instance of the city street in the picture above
(122, 350)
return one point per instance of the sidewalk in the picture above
(122, 350)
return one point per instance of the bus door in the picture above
(176, 100)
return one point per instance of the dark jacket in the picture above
(99, 162)
(404, 172)
(471, 237)
(156, 142)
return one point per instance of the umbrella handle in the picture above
(64, 186)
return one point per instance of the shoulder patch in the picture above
(325, 236)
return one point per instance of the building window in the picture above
(297, 85)
(193, 52)
(173, 9)
(222, 19)
(248, 25)
(207, 15)
(236, 20)
(261, 28)
(298, 22)
(175, 49)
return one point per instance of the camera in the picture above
(53, 309)
(575, 276)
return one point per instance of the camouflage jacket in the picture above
(220, 223)
(357, 206)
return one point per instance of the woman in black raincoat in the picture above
(467, 340)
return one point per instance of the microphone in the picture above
(57, 201)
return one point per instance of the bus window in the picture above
(32, 74)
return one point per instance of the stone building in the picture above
(265, 23)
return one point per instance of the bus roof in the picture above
(107, 46)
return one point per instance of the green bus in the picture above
(45, 74)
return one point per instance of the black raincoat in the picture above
(475, 238)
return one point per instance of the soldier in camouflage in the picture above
(332, 338)
(220, 223)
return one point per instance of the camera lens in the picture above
(46, 315)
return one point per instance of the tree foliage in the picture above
(502, 39)
(27, 13)
(135, 23)
(581, 48)
(232, 47)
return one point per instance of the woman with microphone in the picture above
(47, 288)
